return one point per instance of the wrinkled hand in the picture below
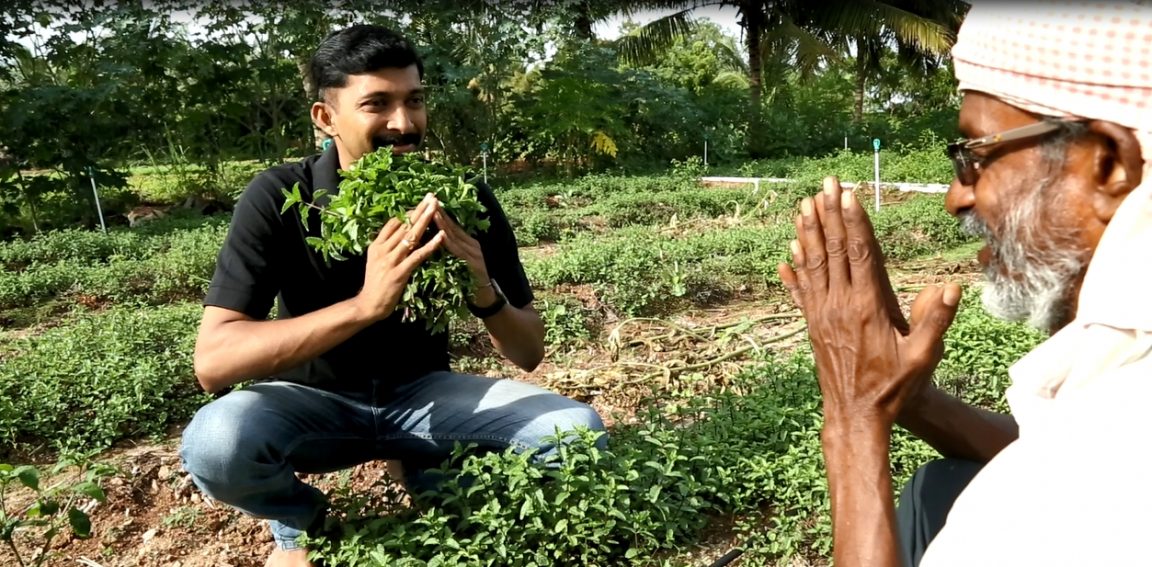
(869, 362)
(392, 258)
(461, 245)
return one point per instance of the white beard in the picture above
(1030, 276)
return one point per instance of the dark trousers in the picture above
(925, 502)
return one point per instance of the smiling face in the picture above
(1035, 203)
(372, 110)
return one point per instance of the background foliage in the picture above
(94, 91)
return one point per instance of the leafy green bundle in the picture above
(380, 186)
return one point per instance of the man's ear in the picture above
(1117, 167)
(322, 117)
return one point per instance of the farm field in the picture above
(664, 312)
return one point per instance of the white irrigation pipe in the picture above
(905, 187)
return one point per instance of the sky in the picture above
(723, 16)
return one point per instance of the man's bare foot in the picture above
(288, 558)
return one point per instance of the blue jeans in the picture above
(244, 448)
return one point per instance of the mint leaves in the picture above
(380, 186)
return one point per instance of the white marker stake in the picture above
(99, 210)
(876, 156)
(484, 157)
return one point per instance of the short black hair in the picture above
(357, 49)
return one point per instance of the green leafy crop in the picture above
(380, 186)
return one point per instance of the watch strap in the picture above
(486, 312)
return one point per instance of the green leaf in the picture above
(8, 527)
(290, 198)
(304, 216)
(48, 506)
(91, 490)
(80, 522)
(316, 242)
(28, 476)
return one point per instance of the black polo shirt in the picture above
(265, 257)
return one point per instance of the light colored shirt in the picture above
(1076, 487)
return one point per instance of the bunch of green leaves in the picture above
(382, 186)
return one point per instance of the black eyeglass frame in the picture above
(966, 164)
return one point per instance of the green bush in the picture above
(979, 350)
(917, 227)
(120, 374)
(71, 244)
(558, 211)
(923, 164)
(137, 269)
(655, 488)
(566, 322)
(638, 271)
(534, 227)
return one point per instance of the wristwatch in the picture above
(486, 312)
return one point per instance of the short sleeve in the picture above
(501, 252)
(245, 277)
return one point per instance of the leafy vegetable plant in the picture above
(380, 186)
(52, 509)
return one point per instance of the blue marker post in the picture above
(876, 156)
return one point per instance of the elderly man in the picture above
(1058, 107)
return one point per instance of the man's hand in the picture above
(461, 245)
(868, 362)
(517, 333)
(393, 256)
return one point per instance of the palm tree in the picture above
(921, 31)
(802, 34)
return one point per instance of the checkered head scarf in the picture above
(1062, 58)
(1078, 59)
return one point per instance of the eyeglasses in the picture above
(967, 164)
